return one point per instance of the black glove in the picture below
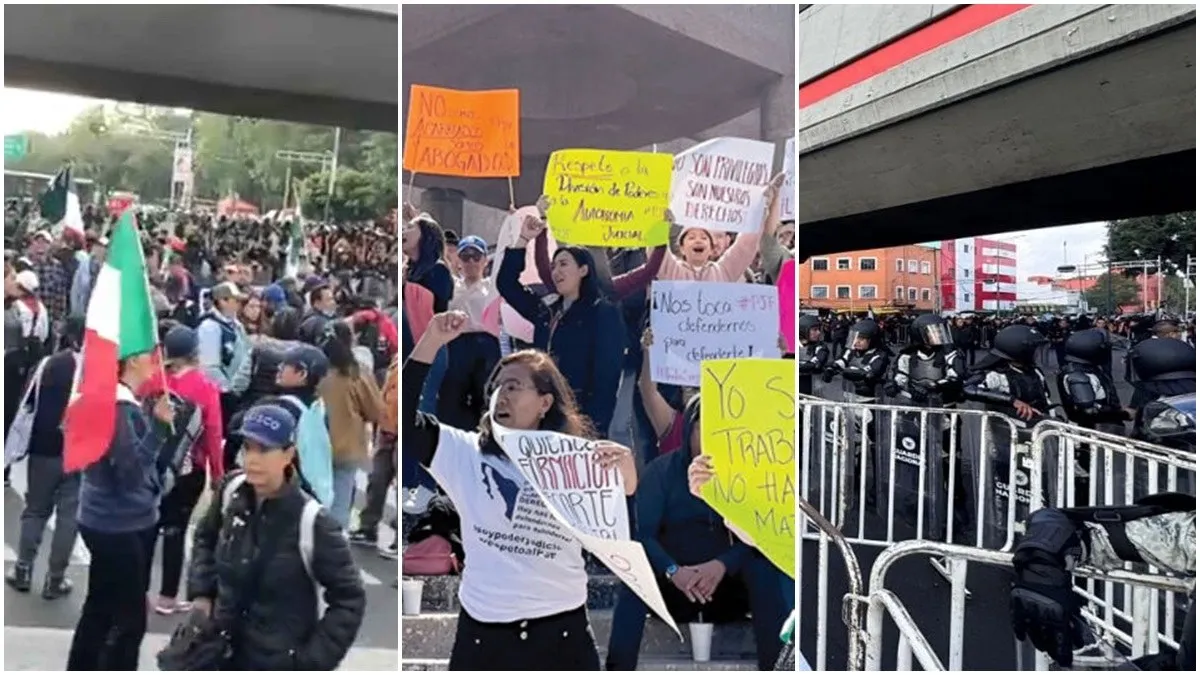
(827, 376)
(891, 389)
(1044, 607)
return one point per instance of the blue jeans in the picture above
(343, 493)
(760, 584)
(413, 474)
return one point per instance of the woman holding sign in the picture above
(584, 333)
(524, 588)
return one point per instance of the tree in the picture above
(1171, 236)
(355, 197)
(1174, 294)
(1111, 292)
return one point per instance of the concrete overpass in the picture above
(925, 122)
(318, 64)
(617, 76)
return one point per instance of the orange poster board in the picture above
(473, 134)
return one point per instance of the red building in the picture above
(978, 274)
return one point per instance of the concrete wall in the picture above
(833, 35)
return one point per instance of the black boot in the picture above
(20, 577)
(56, 587)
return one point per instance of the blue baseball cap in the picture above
(309, 359)
(270, 426)
(274, 295)
(180, 342)
(474, 242)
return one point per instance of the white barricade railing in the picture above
(882, 603)
(1100, 469)
(851, 613)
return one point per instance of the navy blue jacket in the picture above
(121, 492)
(55, 390)
(677, 527)
(587, 341)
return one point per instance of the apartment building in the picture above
(899, 277)
(978, 274)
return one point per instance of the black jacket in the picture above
(279, 629)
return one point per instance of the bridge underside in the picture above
(1107, 137)
(316, 64)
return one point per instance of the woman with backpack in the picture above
(264, 557)
(193, 454)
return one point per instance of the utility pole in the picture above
(289, 156)
(337, 143)
(1158, 282)
(1112, 307)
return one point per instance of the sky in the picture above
(1039, 252)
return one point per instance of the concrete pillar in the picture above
(446, 207)
(777, 109)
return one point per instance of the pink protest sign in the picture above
(787, 304)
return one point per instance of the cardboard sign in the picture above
(608, 198)
(720, 185)
(473, 134)
(748, 427)
(787, 191)
(587, 500)
(787, 304)
(695, 322)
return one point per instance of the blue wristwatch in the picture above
(672, 570)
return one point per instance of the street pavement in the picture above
(37, 633)
(988, 643)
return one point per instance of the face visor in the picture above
(935, 335)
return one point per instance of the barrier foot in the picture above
(942, 566)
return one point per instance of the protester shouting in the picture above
(118, 519)
(582, 332)
(521, 609)
(472, 356)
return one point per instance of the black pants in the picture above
(471, 358)
(383, 473)
(113, 621)
(230, 406)
(557, 642)
(174, 515)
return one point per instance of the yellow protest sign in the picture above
(748, 427)
(608, 197)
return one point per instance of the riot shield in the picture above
(909, 463)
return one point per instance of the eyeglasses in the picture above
(512, 387)
(470, 256)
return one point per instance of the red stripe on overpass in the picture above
(941, 31)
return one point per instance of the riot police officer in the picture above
(1164, 367)
(864, 364)
(930, 370)
(812, 355)
(1085, 387)
(1008, 380)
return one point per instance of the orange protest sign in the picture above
(473, 134)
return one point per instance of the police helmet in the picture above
(1017, 343)
(1163, 359)
(1090, 346)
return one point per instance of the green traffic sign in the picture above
(15, 147)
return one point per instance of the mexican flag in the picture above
(120, 323)
(59, 203)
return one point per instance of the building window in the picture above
(843, 292)
(866, 264)
(912, 266)
(843, 263)
(866, 292)
(966, 248)
(899, 292)
(819, 292)
(966, 297)
(966, 272)
(899, 264)
(925, 267)
(912, 294)
(926, 294)
(820, 264)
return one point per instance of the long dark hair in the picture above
(589, 288)
(429, 250)
(564, 415)
(337, 341)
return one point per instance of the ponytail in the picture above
(293, 471)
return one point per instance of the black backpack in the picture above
(175, 454)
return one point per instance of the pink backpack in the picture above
(430, 557)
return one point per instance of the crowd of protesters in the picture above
(571, 357)
(279, 378)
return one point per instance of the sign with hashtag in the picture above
(693, 322)
(748, 428)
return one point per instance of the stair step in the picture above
(658, 664)
(440, 593)
(431, 636)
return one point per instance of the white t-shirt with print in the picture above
(521, 563)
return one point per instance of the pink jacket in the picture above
(728, 268)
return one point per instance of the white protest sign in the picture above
(787, 191)
(720, 185)
(587, 500)
(699, 321)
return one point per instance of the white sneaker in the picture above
(417, 501)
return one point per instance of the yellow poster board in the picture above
(608, 197)
(748, 427)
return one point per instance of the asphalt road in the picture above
(988, 643)
(37, 633)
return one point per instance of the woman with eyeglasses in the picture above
(524, 594)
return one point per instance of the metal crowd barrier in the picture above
(816, 527)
